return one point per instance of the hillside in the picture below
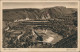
(51, 13)
(63, 23)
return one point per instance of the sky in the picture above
(40, 5)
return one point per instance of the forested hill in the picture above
(33, 13)
(63, 22)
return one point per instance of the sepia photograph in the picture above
(40, 25)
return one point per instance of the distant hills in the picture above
(63, 22)
(33, 13)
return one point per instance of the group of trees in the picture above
(63, 27)
(63, 21)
